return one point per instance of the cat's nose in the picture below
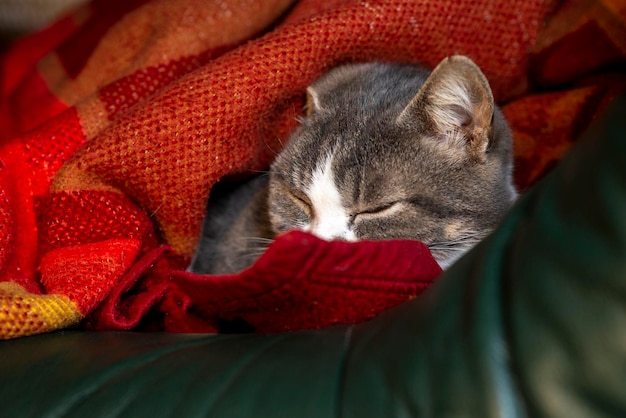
(333, 234)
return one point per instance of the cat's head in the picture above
(391, 151)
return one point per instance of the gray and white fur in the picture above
(385, 151)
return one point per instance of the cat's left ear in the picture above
(312, 104)
(455, 104)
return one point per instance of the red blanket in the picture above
(118, 119)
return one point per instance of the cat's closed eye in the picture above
(377, 210)
(302, 201)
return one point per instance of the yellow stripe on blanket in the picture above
(23, 313)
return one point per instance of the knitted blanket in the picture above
(118, 119)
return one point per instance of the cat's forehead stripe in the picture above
(330, 217)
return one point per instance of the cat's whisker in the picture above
(282, 173)
(156, 210)
(262, 243)
(459, 240)
(277, 139)
(248, 254)
(452, 246)
(472, 237)
(270, 148)
(257, 239)
(446, 250)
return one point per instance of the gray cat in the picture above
(385, 151)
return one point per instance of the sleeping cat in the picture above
(385, 151)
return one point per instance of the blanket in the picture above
(118, 119)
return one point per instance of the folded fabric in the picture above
(118, 120)
(300, 282)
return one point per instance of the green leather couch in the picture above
(532, 323)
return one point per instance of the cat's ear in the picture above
(320, 95)
(312, 103)
(455, 104)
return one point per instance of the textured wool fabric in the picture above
(300, 282)
(118, 119)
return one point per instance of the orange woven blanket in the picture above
(118, 119)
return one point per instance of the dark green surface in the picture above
(532, 323)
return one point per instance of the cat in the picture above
(384, 151)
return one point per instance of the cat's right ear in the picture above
(454, 105)
(312, 104)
